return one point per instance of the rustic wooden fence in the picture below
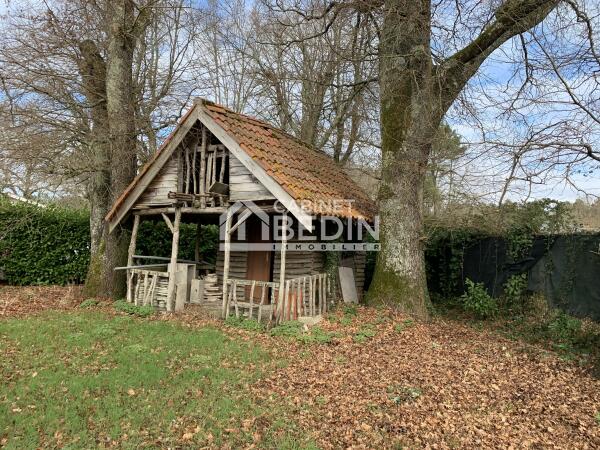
(302, 296)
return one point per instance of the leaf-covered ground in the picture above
(438, 385)
(365, 378)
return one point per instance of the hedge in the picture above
(43, 245)
(52, 245)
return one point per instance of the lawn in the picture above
(81, 379)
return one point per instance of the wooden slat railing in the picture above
(249, 304)
(302, 296)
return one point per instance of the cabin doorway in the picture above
(259, 265)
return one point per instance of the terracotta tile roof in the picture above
(309, 176)
(312, 178)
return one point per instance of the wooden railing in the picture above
(250, 287)
(302, 296)
(149, 287)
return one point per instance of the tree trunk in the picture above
(92, 69)
(414, 98)
(102, 279)
(407, 130)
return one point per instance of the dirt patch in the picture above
(19, 301)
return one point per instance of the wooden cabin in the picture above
(226, 168)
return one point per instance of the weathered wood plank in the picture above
(171, 292)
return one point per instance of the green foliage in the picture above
(133, 380)
(450, 235)
(43, 245)
(295, 330)
(134, 310)
(88, 303)
(477, 301)
(514, 290)
(598, 417)
(244, 323)
(52, 245)
(564, 328)
(400, 327)
(350, 310)
(290, 328)
(155, 238)
(364, 334)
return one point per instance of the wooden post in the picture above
(226, 259)
(171, 290)
(202, 178)
(188, 169)
(130, 253)
(194, 153)
(282, 270)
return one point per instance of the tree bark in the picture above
(406, 125)
(414, 98)
(92, 69)
(102, 279)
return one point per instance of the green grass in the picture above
(364, 334)
(84, 379)
(295, 330)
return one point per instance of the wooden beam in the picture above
(171, 290)
(180, 261)
(226, 261)
(202, 177)
(140, 266)
(130, 253)
(261, 175)
(184, 210)
(247, 213)
(168, 222)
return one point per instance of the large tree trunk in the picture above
(92, 69)
(414, 99)
(407, 125)
(102, 279)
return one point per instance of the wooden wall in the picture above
(237, 268)
(156, 194)
(242, 185)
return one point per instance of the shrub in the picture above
(134, 310)
(43, 245)
(514, 290)
(564, 328)
(477, 301)
(52, 245)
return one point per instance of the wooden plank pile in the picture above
(212, 291)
